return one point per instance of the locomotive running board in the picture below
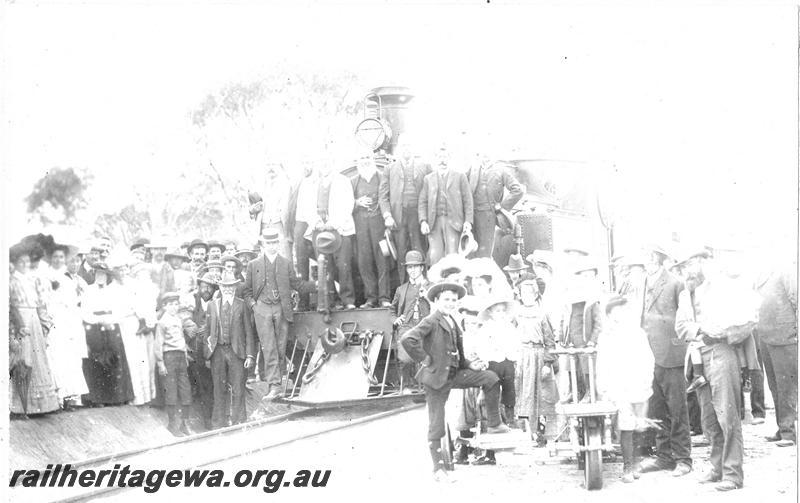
(335, 404)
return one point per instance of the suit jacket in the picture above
(401, 297)
(592, 325)
(458, 199)
(432, 337)
(241, 333)
(283, 193)
(499, 177)
(256, 280)
(393, 182)
(660, 309)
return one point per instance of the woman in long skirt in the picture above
(106, 369)
(129, 309)
(67, 339)
(534, 379)
(31, 386)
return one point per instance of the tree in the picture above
(59, 195)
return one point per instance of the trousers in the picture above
(442, 239)
(408, 237)
(227, 369)
(505, 372)
(177, 390)
(369, 231)
(273, 331)
(302, 253)
(719, 406)
(780, 364)
(463, 378)
(485, 222)
(673, 442)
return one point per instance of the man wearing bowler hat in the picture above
(268, 287)
(401, 184)
(488, 182)
(445, 208)
(436, 344)
(369, 231)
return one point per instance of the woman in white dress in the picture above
(67, 339)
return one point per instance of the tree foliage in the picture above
(59, 195)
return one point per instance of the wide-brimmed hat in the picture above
(207, 278)
(197, 243)
(228, 279)
(176, 254)
(101, 266)
(586, 264)
(576, 251)
(388, 249)
(208, 265)
(438, 288)
(484, 315)
(230, 258)
(68, 250)
(414, 257)
(251, 254)
(506, 220)
(467, 243)
(515, 263)
(328, 242)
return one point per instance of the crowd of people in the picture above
(146, 324)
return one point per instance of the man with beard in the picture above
(409, 306)
(199, 367)
(86, 270)
(369, 231)
(445, 208)
(401, 184)
(272, 213)
(717, 314)
(668, 403)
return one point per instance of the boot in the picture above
(435, 447)
(174, 426)
(628, 473)
(511, 419)
(184, 426)
(462, 454)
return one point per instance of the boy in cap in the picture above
(171, 361)
(436, 344)
(230, 350)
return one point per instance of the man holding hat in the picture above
(445, 208)
(668, 404)
(401, 185)
(369, 231)
(409, 306)
(436, 344)
(267, 291)
(717, 314)
(231, 349)
(489, 181)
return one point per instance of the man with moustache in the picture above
(272, 213)
(199, 368)
(717, 314)
(445, 208)
(401, 184)
(668, 403)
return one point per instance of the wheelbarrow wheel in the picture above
(593, 459)
(447, 450)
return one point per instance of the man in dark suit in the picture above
(268, 286)
(582, 322)
(401, 185)
(409, 306)
(445, 208)
(199, 368)
(668, 403)
(230, 348)
(436, 344)
(487, 179)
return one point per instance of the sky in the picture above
(694, 107)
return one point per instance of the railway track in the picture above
(210, 448)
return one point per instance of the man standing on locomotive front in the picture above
(267, 290)
(436, 344)
(445, 208)
(401, 184)
(487, 180)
